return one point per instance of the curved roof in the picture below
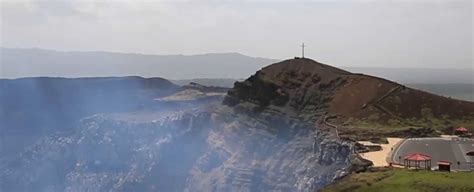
(444, 162)
(461, 129)
(417, 157)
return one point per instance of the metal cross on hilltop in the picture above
(302, 50)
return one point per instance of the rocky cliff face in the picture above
(113, 153)
(265, 137)
(298, 88)
(182, 151)
(264, 153)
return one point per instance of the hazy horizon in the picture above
(224, 53)
(19, 63)
(353, 33)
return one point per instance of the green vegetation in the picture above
(374, 125)
(376, 131)
(444, 124)
(405, 180)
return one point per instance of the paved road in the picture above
(450, 149)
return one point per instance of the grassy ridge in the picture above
(405, 180)
(444, 125)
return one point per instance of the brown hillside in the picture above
(305, 86)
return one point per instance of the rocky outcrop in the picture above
(360, 148)
(197, 93)
(301, 88)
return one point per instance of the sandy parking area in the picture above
(379, 158)
(452, 149)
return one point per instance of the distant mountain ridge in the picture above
(15, 63)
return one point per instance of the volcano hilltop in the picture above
(358, 105)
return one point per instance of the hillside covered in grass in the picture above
(405, 180)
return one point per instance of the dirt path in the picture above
(334, 127)
(379, 158)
